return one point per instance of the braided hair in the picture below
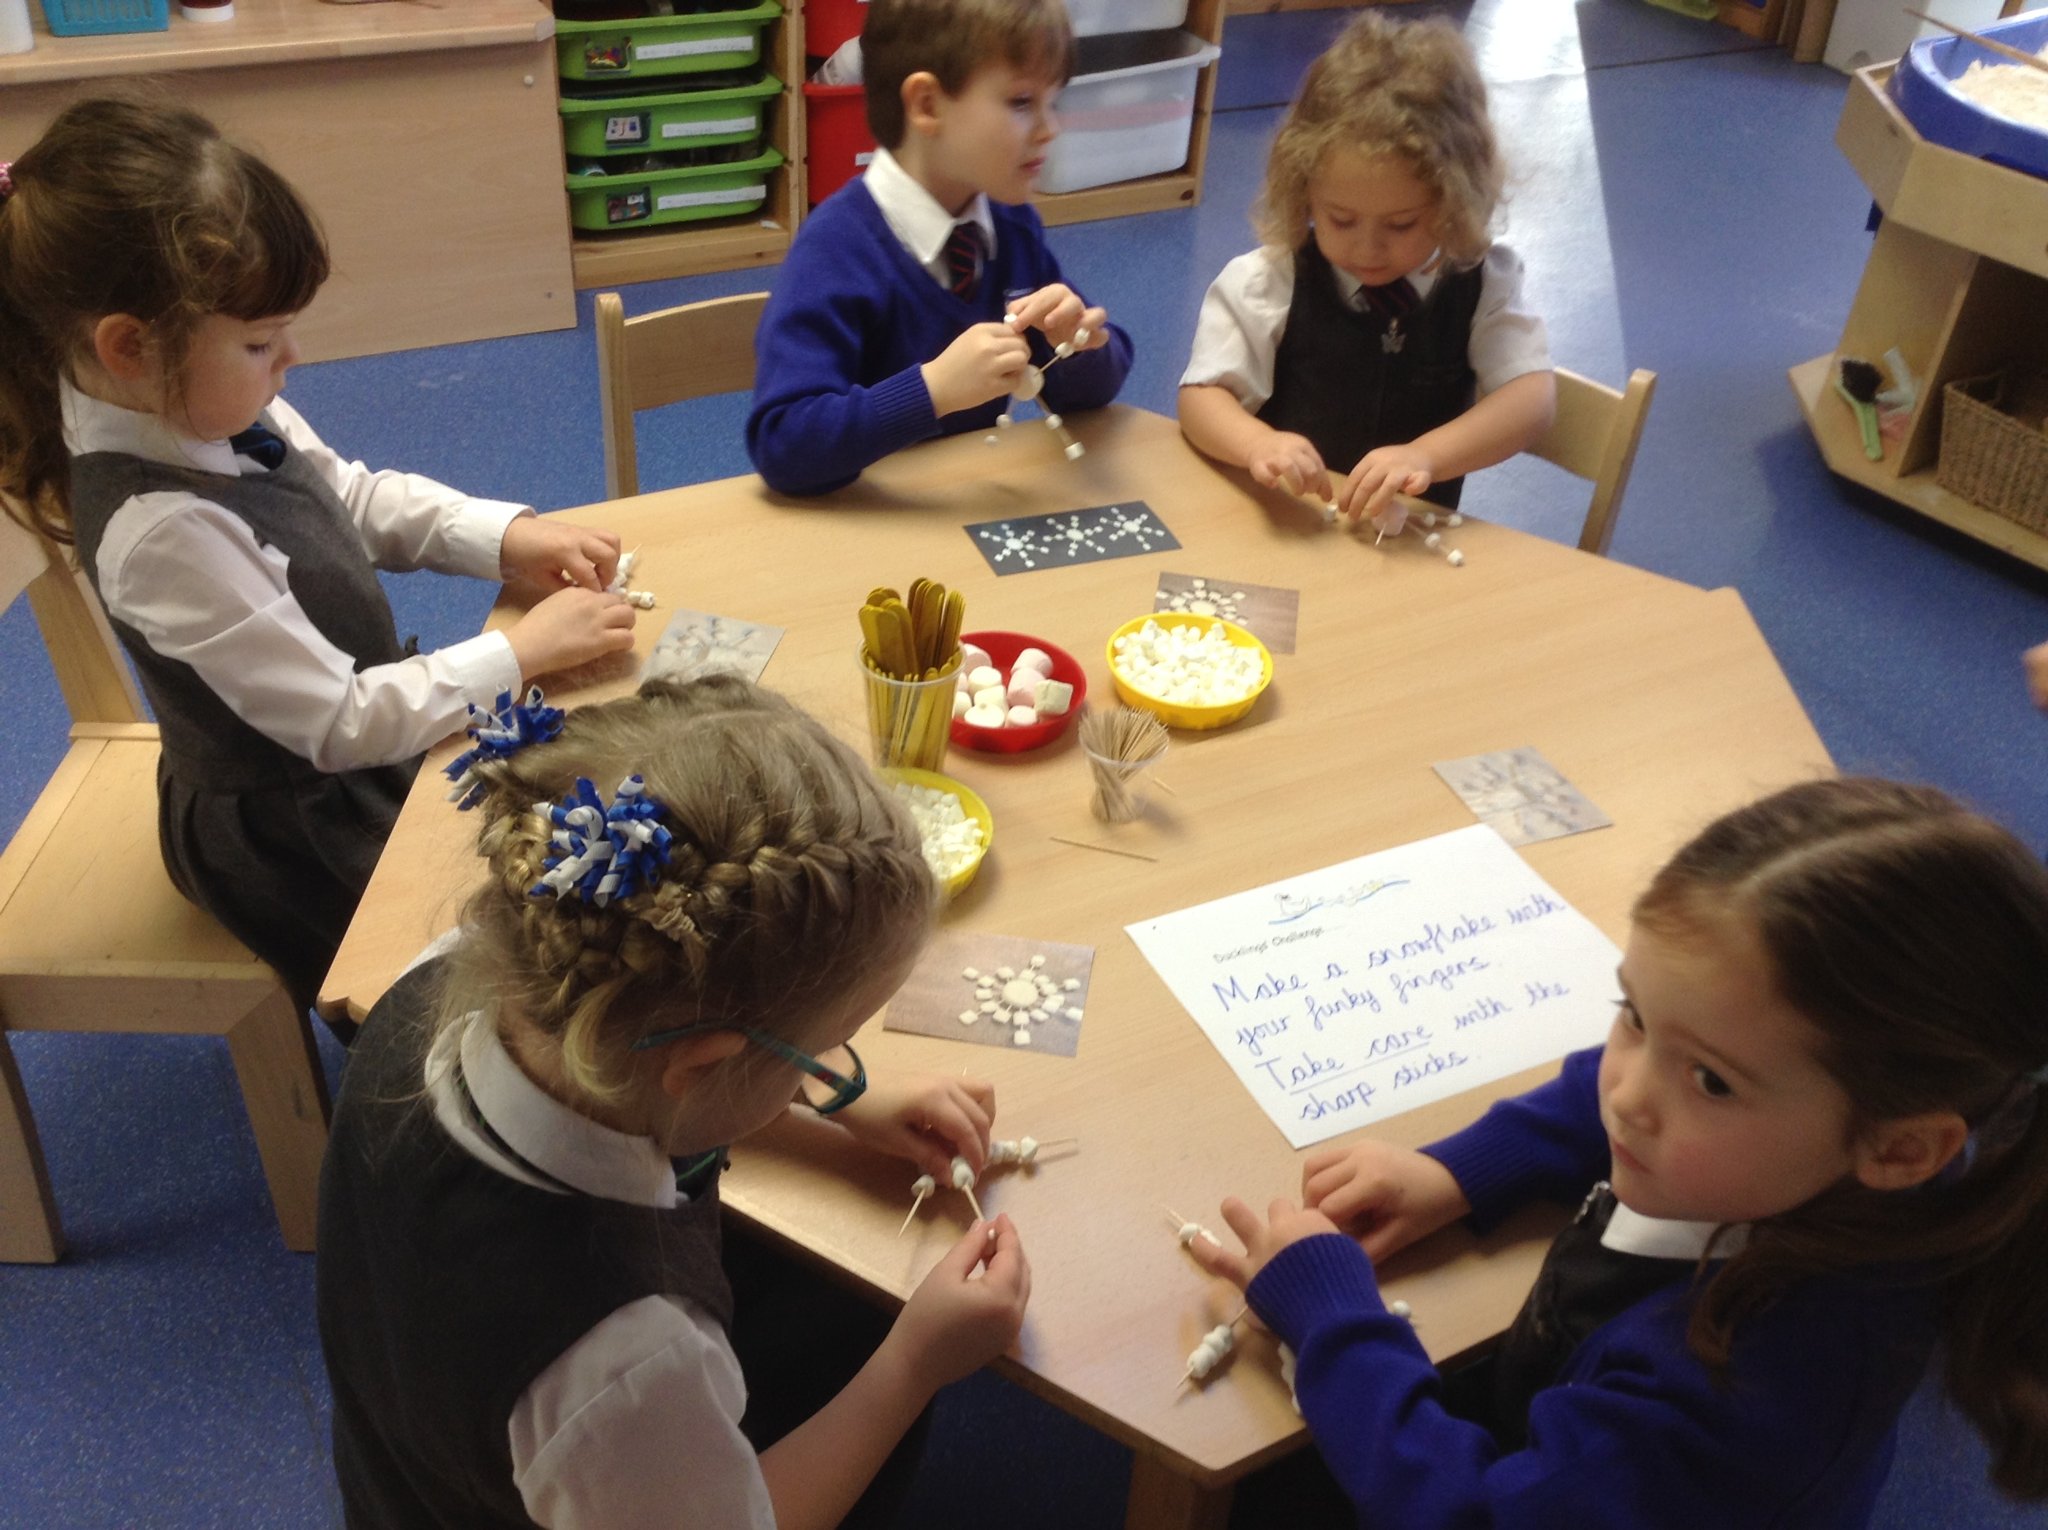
(792, 872)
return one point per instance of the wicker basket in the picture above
(1993, 450)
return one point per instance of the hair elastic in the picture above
(603, 852)
(499, 734)
(6, 179)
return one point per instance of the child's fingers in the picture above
(959, 1262)
(1319, 1179)
(1029, 311)
(1096, 322)
(1219, 1260)
(983, 1093)
(1004, 1256)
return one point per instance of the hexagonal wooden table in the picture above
(1659, 701)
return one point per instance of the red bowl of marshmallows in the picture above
(1016, 692)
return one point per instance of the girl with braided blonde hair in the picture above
(1379, 339)
(525, 1308)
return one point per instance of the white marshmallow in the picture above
(1022, 717)
(961, 702)
(924, 1184)
(1052, 698)
(963, 1174)
(1400, 1309)
(982, 676)
(1454, 519)
(991, 696)
(951, 840)
(1456, 559)
(1032, 658)
(1188, 666)
(984, 717)
(1074, 451)
(972, 657)
(1022, 691)
(1028, 385)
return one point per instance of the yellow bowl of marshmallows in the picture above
(1189, 671)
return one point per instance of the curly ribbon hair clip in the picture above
(6, 179)
(501, 733)
(603, 852)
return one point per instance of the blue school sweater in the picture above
(854, 317)
(1635, 1432)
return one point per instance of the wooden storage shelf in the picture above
(1957, 281)
(761, 239)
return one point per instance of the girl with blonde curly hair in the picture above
(1380, 333)
(525, 1308)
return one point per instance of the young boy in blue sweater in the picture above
(907, 306)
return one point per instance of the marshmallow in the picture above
(1400, 1309)
(951, 840)
(1022, 691)
(1433, 541)
(1028, 385)
(991, 696)
(1022, 717)
(984, 717)
(1456, 559)
(1033, 658)
(982, 676)
(924, 1184)
(1027, 1150)
(972, 657)
(1052, 698)
(1454, 519)
(963, 1174)
(1187, 666)
(1074, 451)
(961, 702)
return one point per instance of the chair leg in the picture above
(286, 1094)
(29, 1230)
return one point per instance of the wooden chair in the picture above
(93, 937)
(663, 358)
(1595, 436)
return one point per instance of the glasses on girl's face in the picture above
(825, 1089)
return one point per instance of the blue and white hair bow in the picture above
(602, 853)
(499, 733)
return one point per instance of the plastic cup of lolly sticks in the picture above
(909, 721)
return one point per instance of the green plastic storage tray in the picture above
(651, 47)
(627, 119)
(648, 198)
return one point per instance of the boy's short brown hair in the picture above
(951, 39)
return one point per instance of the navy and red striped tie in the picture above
(1396, 300)
(965, 251)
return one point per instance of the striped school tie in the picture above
(965, 251)
(1396, 300)
(260, 444)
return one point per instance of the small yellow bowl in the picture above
(1179, 714)
(970, 804)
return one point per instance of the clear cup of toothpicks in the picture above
(909, 719)
(1122, 746)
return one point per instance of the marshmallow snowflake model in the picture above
(1202, 599)
(1019, 998)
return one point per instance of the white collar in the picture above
(914, 215)
(1423, 281)
(94, 425)
(1630, 1232)
(543, 1131)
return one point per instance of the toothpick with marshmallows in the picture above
(1033, 383)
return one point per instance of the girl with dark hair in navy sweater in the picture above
(1811, 1148)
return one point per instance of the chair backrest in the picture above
(91, 670)
(1595, 436)
(662, 358)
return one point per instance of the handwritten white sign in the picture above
(1356, 992)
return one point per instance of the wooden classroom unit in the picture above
(425, 139)
(1957, 280)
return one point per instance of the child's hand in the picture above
(568, 628)
(1285, 1223)
(2037, 674)
(985, 361)
(1387, 1197)
(954, 1324)
(1380, 475)
(926, 1119)
(1058, 313)
(544, 549)
(1283, 460)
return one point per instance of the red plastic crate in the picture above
(837, 144)
(828, 23)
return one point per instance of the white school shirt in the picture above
(637, 1424)
(917, 220)
(1244, 314)
(192, 578)
(1630, 1232)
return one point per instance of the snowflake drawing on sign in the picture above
(1018, 999)
(1070, 537)
(1201, 599)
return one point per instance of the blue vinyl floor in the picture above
(1681, 206)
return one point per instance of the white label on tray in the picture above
(675, 199)
(643, 51)
(706, 129)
